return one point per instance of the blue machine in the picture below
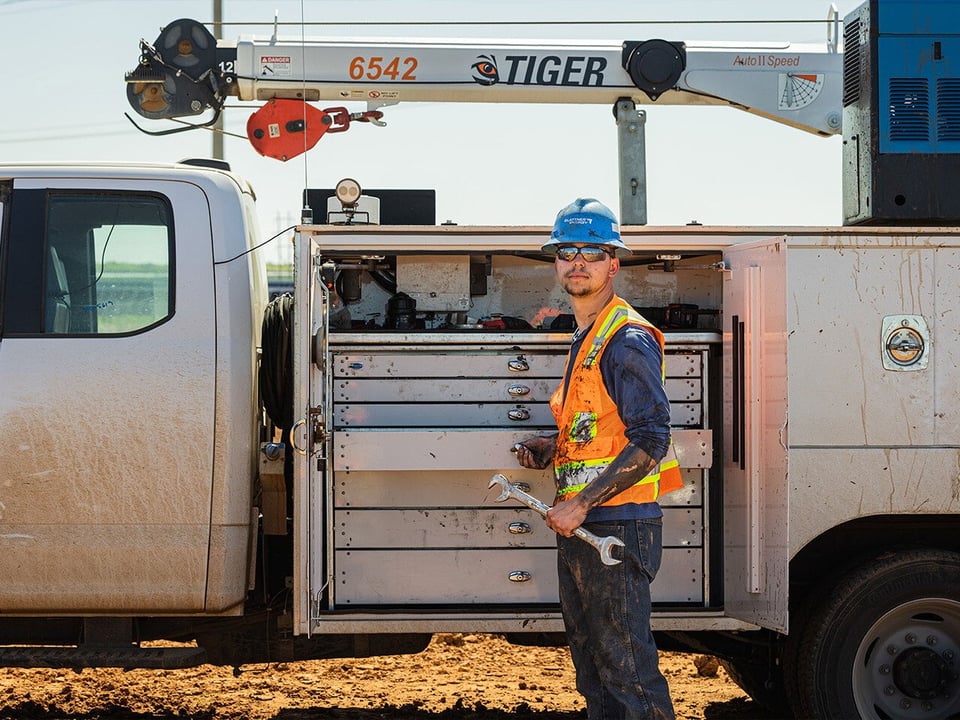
(901, 113)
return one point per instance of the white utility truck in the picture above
(308, 477)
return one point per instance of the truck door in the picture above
(308, 434)
(756, 550)
(107, 371)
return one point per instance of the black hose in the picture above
(276, 362)
(386, 280)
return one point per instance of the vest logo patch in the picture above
(584, 427)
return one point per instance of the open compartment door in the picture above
(309, 433)
(755, 491)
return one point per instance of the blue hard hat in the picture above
(585, 220)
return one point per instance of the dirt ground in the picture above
(458, 677)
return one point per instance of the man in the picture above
(613, 418)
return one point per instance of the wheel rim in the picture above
(907, 663)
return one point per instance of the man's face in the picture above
(581, 278)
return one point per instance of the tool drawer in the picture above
(471, 576)
(417, 435)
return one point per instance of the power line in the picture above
(446, 23)
(54, 136)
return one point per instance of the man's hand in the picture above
(536, 453)
(566, 516)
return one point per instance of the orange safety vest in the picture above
(591, 432)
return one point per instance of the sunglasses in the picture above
(591, 253)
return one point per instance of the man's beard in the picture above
(576, 290)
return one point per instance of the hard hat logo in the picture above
(588, 221)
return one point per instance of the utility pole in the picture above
(218, 125)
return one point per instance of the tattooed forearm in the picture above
(629, 467)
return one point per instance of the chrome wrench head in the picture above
(505, 487)
(605, 548)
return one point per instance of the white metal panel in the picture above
(686, 414)
(419, 390)
(461, 449)
(311, 555)
(402, 415)
(946, 362)
(113, 434)
(876, 481)
(691, 494)
(460, 390)
(683, 527)
(437, 449)
(694, 448)
(471, 362)
(683, 364)
(455, 576)
(468, 488)
(893, 437)
(435, 282)
(756, 522)
(382, 416)
(433, 488)
(680, 579)
(839, 294)
(429, 527)
(81, 567)
(482, 618)
(532, 415)
(509, 525)
(463, 577)
(683, 389)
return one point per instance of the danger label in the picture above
(273, 65)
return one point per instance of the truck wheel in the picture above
(885, 644)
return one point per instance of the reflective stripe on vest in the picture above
(573, 465)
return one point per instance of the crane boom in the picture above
(187, 71)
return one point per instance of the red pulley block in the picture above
(283, 129)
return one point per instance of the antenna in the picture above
(306, 215)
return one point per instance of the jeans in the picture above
(606, 612)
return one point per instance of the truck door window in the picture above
(108, 262)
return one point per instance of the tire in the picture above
(885, 643)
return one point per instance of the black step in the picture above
(161, 658)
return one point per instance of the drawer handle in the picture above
(518, 413)
(520, 576)
(519, 364)
(518, 390)
(519, 528)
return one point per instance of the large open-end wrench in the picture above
(603, 545)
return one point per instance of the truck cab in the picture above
(131, 315)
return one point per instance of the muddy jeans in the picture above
(606, 611)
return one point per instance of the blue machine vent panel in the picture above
(948, 110)
(919, 93)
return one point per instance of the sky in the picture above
(491, 164)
